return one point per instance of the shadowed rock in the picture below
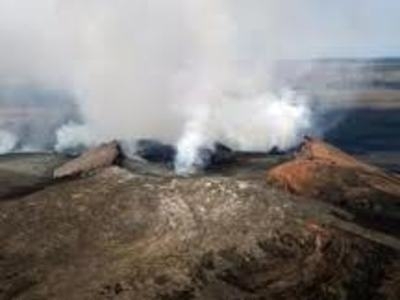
(154, 151)
(325, 173)
(98, 157)
(22, 173)
(157, 152)
(219, 156)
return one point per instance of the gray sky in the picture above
(48, 40)
(344, 28)
(361, 27)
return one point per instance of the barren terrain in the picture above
(315, 223)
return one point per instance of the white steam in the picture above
(72, 136)
(256, 124)
(185, 72)
(8, 141)
(176, 72)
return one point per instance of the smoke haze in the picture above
(185, 72)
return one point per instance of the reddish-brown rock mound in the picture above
(324, 172)
(93, 159)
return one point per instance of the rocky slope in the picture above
(323, 172)
(117, 234)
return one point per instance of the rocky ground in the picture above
(323, 172)
(263, 227)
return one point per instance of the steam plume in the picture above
(185, 72)
(8, 141)
(248, 124)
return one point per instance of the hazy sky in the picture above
(350, 28)
(366, 27)
(50, 38)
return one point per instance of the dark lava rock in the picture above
(155, 151)
(218, 157)
(117, 235)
